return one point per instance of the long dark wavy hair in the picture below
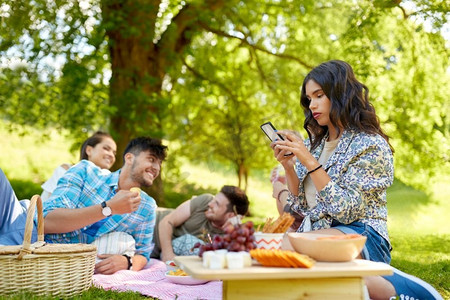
(350, 106)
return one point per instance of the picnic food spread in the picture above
(237, 238)
(339, 237)
(221, 259)
(135, 189)
(236, 247)
(282, 258)
(280, 225)
(177, 272)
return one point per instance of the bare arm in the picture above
(62, 220)
(139, 261)
(280, 193)
(113, 263)
(166, 225)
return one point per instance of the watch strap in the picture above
(130, 264)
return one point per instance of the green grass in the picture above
(418, 224)
(91, 294)
(32, 157)
(420, 234)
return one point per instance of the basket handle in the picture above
(35, 201)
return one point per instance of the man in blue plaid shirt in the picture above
(89, 203)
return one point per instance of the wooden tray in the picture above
(356, 268)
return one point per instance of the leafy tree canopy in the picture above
(208, 73)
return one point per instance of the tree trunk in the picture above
(242, 176)
(136, 78)
(139, 65)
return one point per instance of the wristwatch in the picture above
(106, 210)
(130, 262)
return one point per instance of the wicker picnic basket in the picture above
(45, 269)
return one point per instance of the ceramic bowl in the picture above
(270, 241)
(185, 280)
(327, 248)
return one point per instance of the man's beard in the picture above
(137, 177)
(209, 215)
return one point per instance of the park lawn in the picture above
(418, 228)
(91, 294)
(419, 232)
(424, 256)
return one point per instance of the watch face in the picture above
(106, 211)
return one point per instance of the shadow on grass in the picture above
(404, 199)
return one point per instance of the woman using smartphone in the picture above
(338, 177)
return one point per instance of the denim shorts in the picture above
(376, 248)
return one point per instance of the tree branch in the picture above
(176, 36)
(405, 14)
(201, 76)
(261, 71)
(256, 47)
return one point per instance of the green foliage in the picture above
(25, 189)
(53, 67)
(176, 193)
(208, 73)
(219, 65)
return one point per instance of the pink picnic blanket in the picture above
(151, 281)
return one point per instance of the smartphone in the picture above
(271, 133)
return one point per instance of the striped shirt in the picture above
(85, 185)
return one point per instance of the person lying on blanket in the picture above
(202, 214)
(88, 205)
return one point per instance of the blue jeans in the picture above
(376, 248)
(13, 215)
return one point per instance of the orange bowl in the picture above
(326, 247)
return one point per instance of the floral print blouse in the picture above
(361, 169)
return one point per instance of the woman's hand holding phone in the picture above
(292, 142)
(282, 145)
(284, 157)
(273, 135)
